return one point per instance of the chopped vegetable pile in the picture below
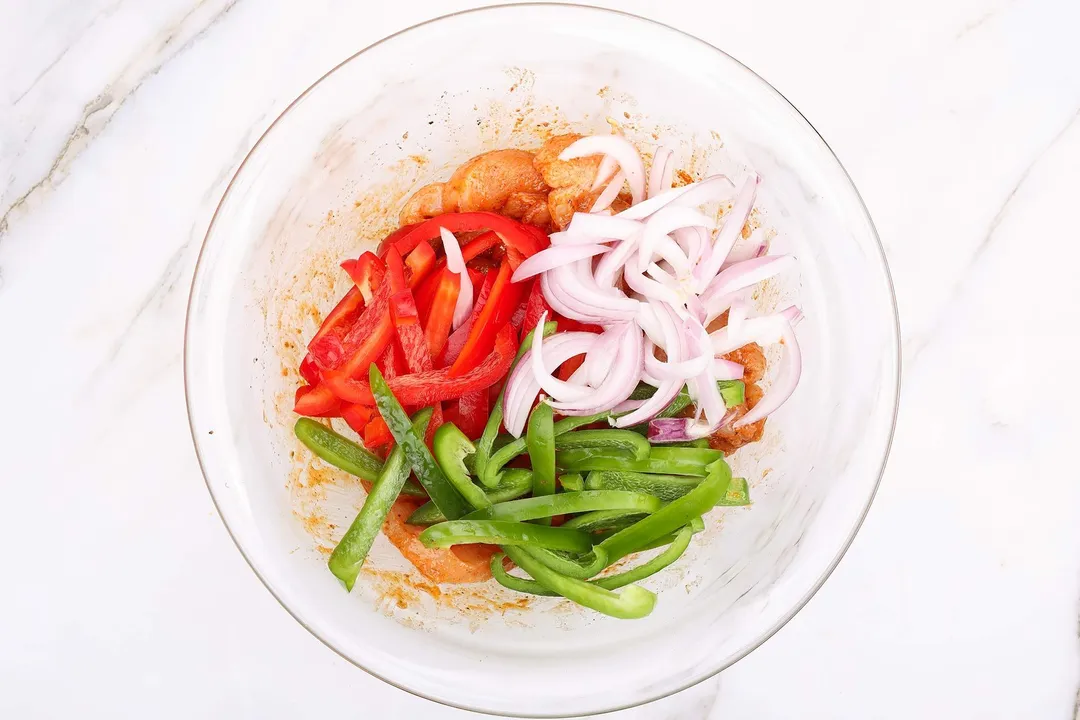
(588, 309)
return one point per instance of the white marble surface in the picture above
(121, 121)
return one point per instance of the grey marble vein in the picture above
(919, 342)
(99, 112)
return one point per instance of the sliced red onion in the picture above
(620, 382)
(558, 389)
(661, 275)
(553, 257)
(661, 224)
(618, 148)
(569, 295)
(694, 241)
(786, 379)
(522, 387)
(569, 238)
(609, 266)
(650, 288)
(668, 430)
(749, 272)
(727, 370)
(661, 165)
(603, 202)
(603, 226)
(680, 371)
(754, 247)
(712, 188)
(703, 388)
(729, 233)
(765, 330)
(696, 309)
(455, 263)
(626, 406)
(608, 166)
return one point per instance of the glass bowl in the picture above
(326, 181)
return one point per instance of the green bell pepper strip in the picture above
(696, 525)
(572, 482)
(611, 582)
(344, 454)
(349, 555)
(545, 506)
(428, 472)
(540, 441)
(661, 460)
(738, 493)
(615, 442)
(604, 520)
(451, 447)
(516, 447)
(632, 603)
(665, 487)
(485, 444)
(671, 517)
(581, 566)
(733, 392)
(513, 484)
(502, 532)
(698, 443)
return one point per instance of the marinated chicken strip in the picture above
(528, 207)
(486, 182)
(571, 180)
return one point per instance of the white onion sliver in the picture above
(553, 257)
(603, 202)
(558, 389)
(608, 166)
(455, 263)
(786, 380)
(666, 221)
(621, 150)
(661, 168)
(727, 370)
(729, 233)
(603, 226)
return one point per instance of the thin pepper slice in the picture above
(665, 487)
(344, 454)
(604, 520)
(451, 447)
(501, 532)
(672, 516)
(309, 370)
(540, 440)
(661, 460)
(356, 417)
(496, 314)
(473, 412)
(316, 401)
(546, 506)
(513, 234)
(611, 582)
(513, 484)
(414, 344)
(438, 318)
(572, 482)
(419, 264)
(423, 464)
(377, 434)
(456, 342)
(426, 388)
(624, 442)
(632, 603)
(491, 430)
(738, 493)
(341, 318)
(348, 557)
(364, 342)
(489, 475)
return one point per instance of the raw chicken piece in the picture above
(571, 180)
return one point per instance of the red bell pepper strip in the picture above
(427, 388)
(514, 235)
(457, 338)
(357, 417)
(500, 305)
(437, 419)
(535, 306)
(395, 270)
(420, 262)
(367, 339)
(440, 316)
(393, 237)
(411, 336)
(377, 434)
(341, 318)
(390, 363)
(367, 273)
(479, 245)
(473, 413)
(569, 367)
(316, 401)
(309, 370)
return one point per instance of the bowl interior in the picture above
(326, 182)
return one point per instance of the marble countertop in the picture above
(122, 121)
